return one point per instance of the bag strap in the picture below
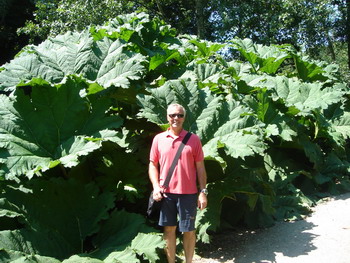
(176, 158)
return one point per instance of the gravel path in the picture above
(323, 237)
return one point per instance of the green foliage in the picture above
(79, 111)
(11, 18)
(275, 22)
(52, 126)
(59, 16)
(103, 62)
(65, 212)
(73, 218)
(216, 119)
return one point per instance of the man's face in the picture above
(176, 117)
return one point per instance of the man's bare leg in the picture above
(169, 236)
(189, 243)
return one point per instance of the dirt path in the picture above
(323, 237)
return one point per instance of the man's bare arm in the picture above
(153, 173)
(202, 181)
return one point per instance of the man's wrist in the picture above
(204, 191)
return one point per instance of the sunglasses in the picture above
(176, 115)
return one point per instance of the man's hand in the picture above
(157, 194)
(202, 201)
(153, 173)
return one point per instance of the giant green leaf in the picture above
(103, 61)
(125, 256)
(53, 125)
(341, 124)
(79, 259)
(219, 121)
(27, 243)
(120, 230)
(305, 97)
(268, 111)
(145, 245)
(308, 70)
(263, 58)
(19, 257)
(67, 215)
(63, 213)
(122, 172)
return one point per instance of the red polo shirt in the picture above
(163, 151)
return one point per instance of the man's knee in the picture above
(169, 229)
(190, 234)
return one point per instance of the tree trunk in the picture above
(161, 10)
(200, 18)
(348, 28)
(331, 48)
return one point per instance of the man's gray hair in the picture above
(176, 105)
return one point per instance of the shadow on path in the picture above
(260, 246)
(322, 237)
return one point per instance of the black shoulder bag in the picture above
(153, 208)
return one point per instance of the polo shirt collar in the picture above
(182, 133)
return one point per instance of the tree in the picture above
(54, 17)
(344, 32)
(310, 26)
(200, 4)
(348, 28)
(58, 16)
(272, 21)
(11, 18)
(337, 47)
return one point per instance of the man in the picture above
(181, 198)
